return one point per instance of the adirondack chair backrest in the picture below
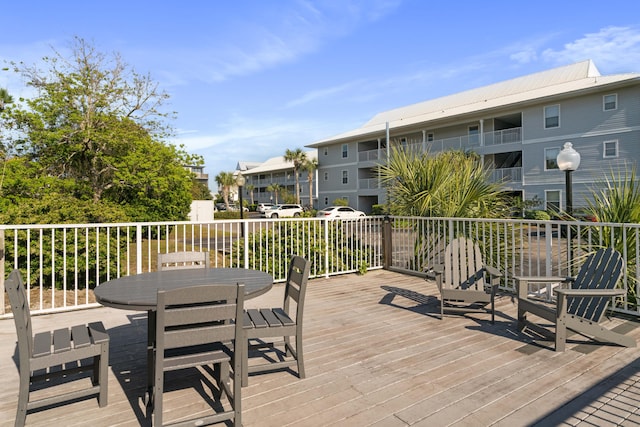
(463, 266)
(601, 270)
(21, 316)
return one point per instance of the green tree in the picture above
(225, 181)
(310, 166)
(5, 98)
(274, 189)
(250, 188)
(98, 123)
(298, 157)
(448, 184)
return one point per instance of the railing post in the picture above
(387, 243)
(139, 249)
(548, 238)
(2, 310)
(245, 238)
(326, 245)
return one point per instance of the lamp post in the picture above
(568, 160)
(240, 181)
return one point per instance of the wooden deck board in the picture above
(376, 354)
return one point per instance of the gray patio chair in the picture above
(580, 307)
(186, 259)
(196, 326)
(68, 351)
(462, 279)
(269, 325)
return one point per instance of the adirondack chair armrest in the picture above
(589, 293)
(493, 272)
(563, 294)
(433, 271)
(522, 282)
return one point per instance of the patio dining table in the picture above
(139, 292)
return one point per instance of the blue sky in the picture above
(250, 79)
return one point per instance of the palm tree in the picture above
(225, 181)
(448, 184)
(250, 188)
(298, 157)
(310, 166)
(274, 189)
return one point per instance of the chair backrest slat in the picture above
(463, 265)
(602, 270)
(296, 286)
(197, 315)
(21, 315)
(186, 259)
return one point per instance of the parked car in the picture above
(263, 207)
(236, 208)
(282, 211)
(331, 212)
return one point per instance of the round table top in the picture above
(139, 291)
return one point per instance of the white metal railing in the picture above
(368, 183)
(62, 263)
(520, 247)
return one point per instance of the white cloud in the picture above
(612, 48)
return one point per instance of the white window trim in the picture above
(544, 116)
(604, 102)
(345, 151)
(544, 159)
(546, 198)
(604, 149)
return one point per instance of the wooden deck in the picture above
(376, 355)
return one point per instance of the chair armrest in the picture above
(522, 283)
(433, 271)
(590, 293)
(494, 272)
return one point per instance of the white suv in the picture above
(282, 211)
(262, 207)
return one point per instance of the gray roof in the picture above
(278, 163)
(580, 76)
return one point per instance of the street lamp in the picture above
(568, 160)
(240, 181)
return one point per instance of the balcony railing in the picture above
(62, 263)
(506, 175)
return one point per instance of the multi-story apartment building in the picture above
(276, 172)
(518, 127)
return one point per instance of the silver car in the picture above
(282, 211)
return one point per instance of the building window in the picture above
(610, 102)
(326, 176)
(429, 137)
(552, 200)
(403, 143)
(326, 150)
(610, 149)
(326, 201)
(345, 177)
(552, 116)
(474, 134)
(550, 158)
(345, 151)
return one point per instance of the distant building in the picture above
(200, 176)
(517, 127)
(276, 171)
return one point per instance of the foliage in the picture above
(421, 184)
(378, 210)
(616, 199)
(537, 215)
(95, 125)
(310, 166)
(288, 238)
(341, 202)
(200, 191)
